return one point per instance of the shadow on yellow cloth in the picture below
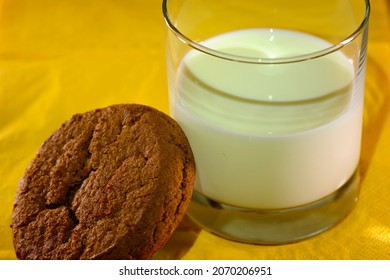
(376, 107)
(181, 241)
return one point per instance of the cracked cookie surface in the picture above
(112, 183)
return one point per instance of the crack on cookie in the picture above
(133, 120)
(73, 190)
(64, 190)
(73, 217)
(53, 206)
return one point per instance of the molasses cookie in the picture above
(112, 183)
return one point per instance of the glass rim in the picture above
(257, 60)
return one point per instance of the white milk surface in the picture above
(269, 136)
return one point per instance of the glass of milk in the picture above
(270, 96)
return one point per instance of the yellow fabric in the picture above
(62, 57)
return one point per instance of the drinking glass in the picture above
(270, 95)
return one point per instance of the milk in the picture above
(269, 136)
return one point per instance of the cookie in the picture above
(112, 183)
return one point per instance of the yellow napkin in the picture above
(62, 57)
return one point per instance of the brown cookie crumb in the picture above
(112, 183)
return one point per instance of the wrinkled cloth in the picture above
(62, 57)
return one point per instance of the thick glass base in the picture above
(275, 226)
